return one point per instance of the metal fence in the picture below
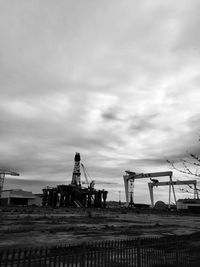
(140, 252)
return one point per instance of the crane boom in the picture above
(185, 182)
(9, 172)
(85, 174)
(2, 177)
(148, 175)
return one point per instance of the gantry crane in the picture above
(130, 177)
(2, 177)
(184, 182)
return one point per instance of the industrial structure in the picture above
(170, 184)
(3, 173)
(191, 205)
(19, 197)
(130, 177)
(74, 194)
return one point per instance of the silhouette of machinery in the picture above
(170, 184)
(130, 178)
(3, 173)
(74, 195)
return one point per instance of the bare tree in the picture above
(189, 165)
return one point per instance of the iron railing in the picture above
(139, 252)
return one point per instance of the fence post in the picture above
(177, 249)
(82, 259)
(1, 256)
(138, 252)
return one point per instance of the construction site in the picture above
(192, 204)
(77, 212)
(81, 193)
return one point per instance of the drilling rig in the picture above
(76, 176)
(74, 195)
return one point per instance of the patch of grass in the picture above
(55, 230)
(17, 230)
(89, 214)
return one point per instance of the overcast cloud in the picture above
(117, 81)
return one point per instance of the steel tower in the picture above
(76, 176)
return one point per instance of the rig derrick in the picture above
(74, 195)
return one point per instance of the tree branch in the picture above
(186, 170)
(195, 157)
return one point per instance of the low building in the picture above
(37, 201)
(189, 205)
(19, 197)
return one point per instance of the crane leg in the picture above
(169, 195)
(151, 194)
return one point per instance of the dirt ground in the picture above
(33, 227)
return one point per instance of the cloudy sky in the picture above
(117, 81)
